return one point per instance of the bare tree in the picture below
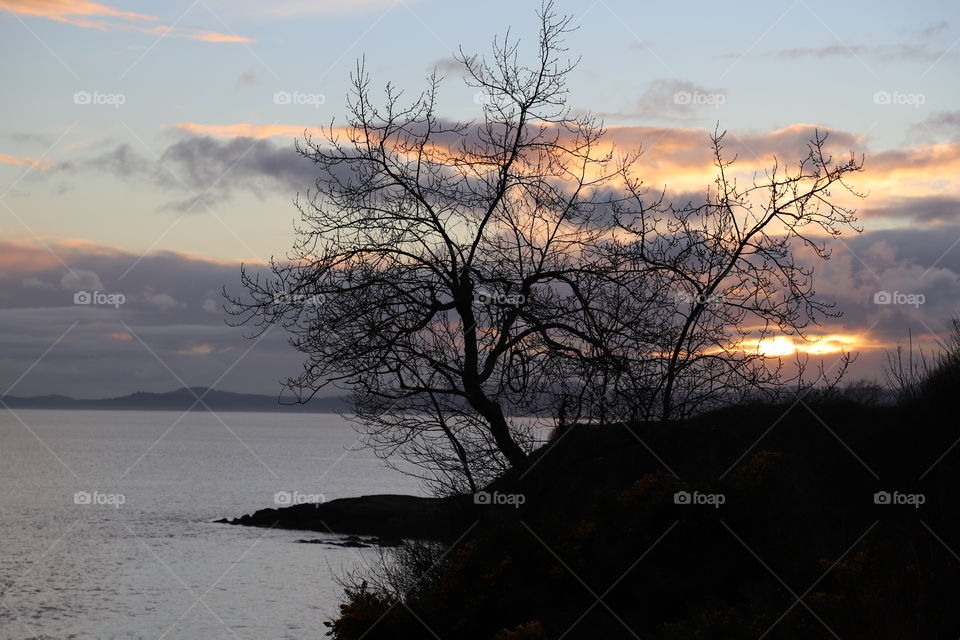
(912, 374)
(722, 276)
(454, 275)
(439, 265)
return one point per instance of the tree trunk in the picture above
(499, 429)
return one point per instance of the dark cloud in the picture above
(907, 261)
(208, 169)
(918, 45)
(447, 66)
(932, 30)
(673, 148)
(939, 127)
(673, 98)
(204, 169)
(884, 52)
(42, 139)
(220, 167)
(171, 301)
(123, 161)
(926, 209)
(911, 247)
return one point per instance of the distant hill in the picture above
(179, 400)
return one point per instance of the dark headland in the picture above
(182, 399)
(820, 498)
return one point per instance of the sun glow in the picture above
(776, 347)
(779, 346)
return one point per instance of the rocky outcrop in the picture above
(386, 516)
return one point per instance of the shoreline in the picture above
(389, 517)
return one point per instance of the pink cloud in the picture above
(94, 15)
(22, 161)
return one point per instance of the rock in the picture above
(390, 517)
(354, 542)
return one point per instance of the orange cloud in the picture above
(204, 36)
(23, 257)
(213, 36)
(242, 130)
(681, 159)
(25, 162)
(31, 256)
(93, 15)
(923, 164)
(120, 336)
(75, 12)
(199, 349)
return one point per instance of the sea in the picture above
(107, 523)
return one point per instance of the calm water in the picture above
(155, 566)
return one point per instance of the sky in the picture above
(146, 150)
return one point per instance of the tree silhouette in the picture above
(439, 262)
(724, 272)
(454, 275)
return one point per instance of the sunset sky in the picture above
(146, 149)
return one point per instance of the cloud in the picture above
(883, 52)
(207, 169)
(927, 162)
(939, 127)
(667, 146)
(674, 147)
(447, 65)
(81, 13)
(213, 162)
(25, 162)
(192, 34)
(80, 280)
(197, 349)
(669, 97)
(217, 168)
(935, 29)
(37, 283)
(242, 130)
(94, 15)
(162, 301)
(102, 354)
(123, 160)
(928, 210)
(26, 137)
